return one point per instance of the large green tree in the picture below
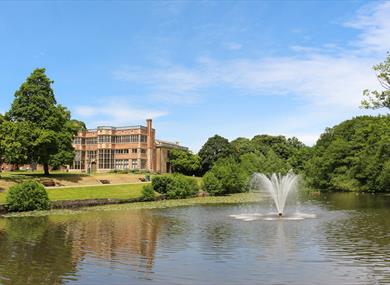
(379, 99)
(37, 128)
(352, 156)
(184, 162)
(215, 148)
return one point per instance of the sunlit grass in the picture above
(123, 191)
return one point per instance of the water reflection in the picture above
(47, 250)
(347, 243)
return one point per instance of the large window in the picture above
(130, 138)
(104, 139)
(143, 163)
(91, 155)
(121, 163)
(77, 140)
(134, 164)
(106, 159)
(122, 151)
(91, 140)
(78, 162)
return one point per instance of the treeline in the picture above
(352, 156)
(226, 166)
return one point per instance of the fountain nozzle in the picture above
(280, 214)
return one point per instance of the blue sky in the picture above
(198, 68)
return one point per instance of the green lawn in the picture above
(123, 191)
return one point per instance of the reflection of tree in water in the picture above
(34, 251)
(363, 237)
(47, 250)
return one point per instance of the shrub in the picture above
(27, 196)
(231, 176)
(148, 192)
(211, 184)
(181, 187)
(160, 183)
(175, 186)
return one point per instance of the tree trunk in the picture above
(46, 169)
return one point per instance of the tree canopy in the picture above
(352, 156)
(36, 128)
(184, 162)
(215, 148)
(379, 99)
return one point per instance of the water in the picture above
(347, 242)
(279, 186)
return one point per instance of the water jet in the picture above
(278, 185)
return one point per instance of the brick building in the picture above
(121, 148)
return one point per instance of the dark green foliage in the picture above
(37, 129)
(175, 186)
(271, 153)
(148, 192)
(27, 196)
(231, 176)
(160, 183)
(215, 148)
(184, 162)
(352, 156)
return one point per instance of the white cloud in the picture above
(374, 23)
(325, 76)
(328, 81)
(115, 113)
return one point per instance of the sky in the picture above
(199, 68)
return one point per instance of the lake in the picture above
(346, 242)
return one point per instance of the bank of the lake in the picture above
(160, 204)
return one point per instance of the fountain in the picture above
(277, 185)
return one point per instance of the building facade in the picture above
(122, 148)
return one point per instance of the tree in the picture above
(232, 178)
(243, 145)
(184, 162)
(215, 148)
(352, 156)
(49, 125)
(379, 99)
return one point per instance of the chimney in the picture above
(150, 145)
(149, 124)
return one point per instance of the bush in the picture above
(211, 184)
(182, 187)
(231, 176)
(27, 196)
(160, 183)
(148, 192)
(176, 186)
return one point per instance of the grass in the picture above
(230, 199)
(123, 191)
